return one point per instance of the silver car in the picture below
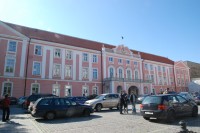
(104, 101)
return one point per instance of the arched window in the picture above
(136, 74)
(120, 73)
(128, 73)
(111, 72)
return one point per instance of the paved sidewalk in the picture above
(19, 123)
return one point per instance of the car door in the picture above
(107, 101)
(59, 107)
(72, 108)
(115, 100)
(185, 105)
(174, 104)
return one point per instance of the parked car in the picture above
(104, 101)
(197, 99)
(187, 95)
(78, 99)
(32, 98)
(13, 100)
(21, 101)
(141, 98)
(90, 97)
(167, 107)
(52, 107)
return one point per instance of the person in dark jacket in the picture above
(6, 108)
(133, 101)
(122, 102)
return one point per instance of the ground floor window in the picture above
(7, 88)
(35, 88)
(56, 90)
(85, 91)
(95, 90)
(68, 91)
(146, 90)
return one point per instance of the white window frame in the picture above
(151, 67)
(54, 70)
(85, 90)
(164, 70)
(67, 88)
(69, 54)
(93, 73)
(127, 73)
(109, 72)
(136, 76)
(85, 57)
(95, 89)
(32, 88)
(57, 53)
(6, 61)
(120, 61)
(94, 58)
(128, 62)
(146, 66)
(57, 89)
(34, 69)
(120, 74)
(85, 73)
(11, 90)
(70, 71)
(110, 59)
(36, 49)
(9, 46)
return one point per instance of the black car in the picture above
(34, 97)
(52, 107)
(141, 98)
(167, 107)
(78, 99)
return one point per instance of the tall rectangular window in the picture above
(85, 57)
(57, 53)
(159, 69)
(38, 50)
(36, 68)
(35, 88)
(119, 61)
(127, 61)
(146, 66)
(10, 65)
(85, 73)
(68, 71)
(95, 73)
(151, 67)
(57, 70)
(95, 90)
(7, 88)
(68, 91)
(94, 59)
(12, 47)
(56, 90)
(152, 78)
(68, 55)
(164, 69)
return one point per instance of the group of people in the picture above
(124, 99)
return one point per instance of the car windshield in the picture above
(100, 97)
(152, 99)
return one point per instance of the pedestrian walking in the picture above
(133, 102)
(6, 108)
(122, 97)
(125, 103)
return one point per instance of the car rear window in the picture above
(45, 102)
(152, 99)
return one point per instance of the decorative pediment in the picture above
(121, 49)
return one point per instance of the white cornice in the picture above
(116, 55)
(64, 46)
(3, 36)
(158, 63)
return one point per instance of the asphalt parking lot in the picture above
(106, 121)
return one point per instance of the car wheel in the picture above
(98, 107)
(170, 116)
(50, 116)
(86, 112)
(146, 118)
(194, 112)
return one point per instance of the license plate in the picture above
(149, 113)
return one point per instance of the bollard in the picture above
(184, 127)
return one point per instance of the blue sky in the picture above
(169, 28)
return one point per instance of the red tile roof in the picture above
(77, 42)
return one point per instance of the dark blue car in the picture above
(52, 107)
(78, 99)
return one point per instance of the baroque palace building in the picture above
(37, 61)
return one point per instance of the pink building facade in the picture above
(36, 61)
